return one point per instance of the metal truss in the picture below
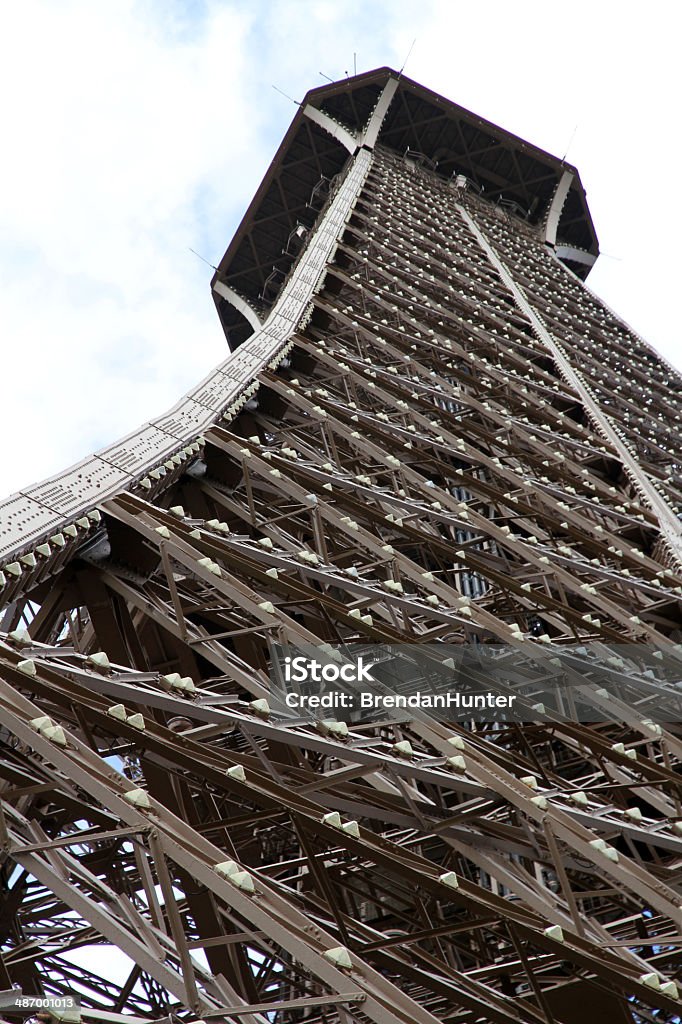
(445, 438)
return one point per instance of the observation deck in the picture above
(330, 125)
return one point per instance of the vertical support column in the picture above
(670, 526)
(371, 133)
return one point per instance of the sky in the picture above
(136, 130)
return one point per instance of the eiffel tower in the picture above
(428, 430)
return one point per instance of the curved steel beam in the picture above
(239, 303)
(40, 512)
(334, 128)
(557, 205)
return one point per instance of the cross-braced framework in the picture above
(435, 434)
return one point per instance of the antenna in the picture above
(201, 257)
(325, 76)
(408, 55)
(569, 143)
(355, 63)
(286, 95)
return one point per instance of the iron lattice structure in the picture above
(429, 431)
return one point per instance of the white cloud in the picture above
(133, 130)
(120, 143)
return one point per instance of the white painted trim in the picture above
(557, 205)
(371, 133)
(240, 304)
(332, 127)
